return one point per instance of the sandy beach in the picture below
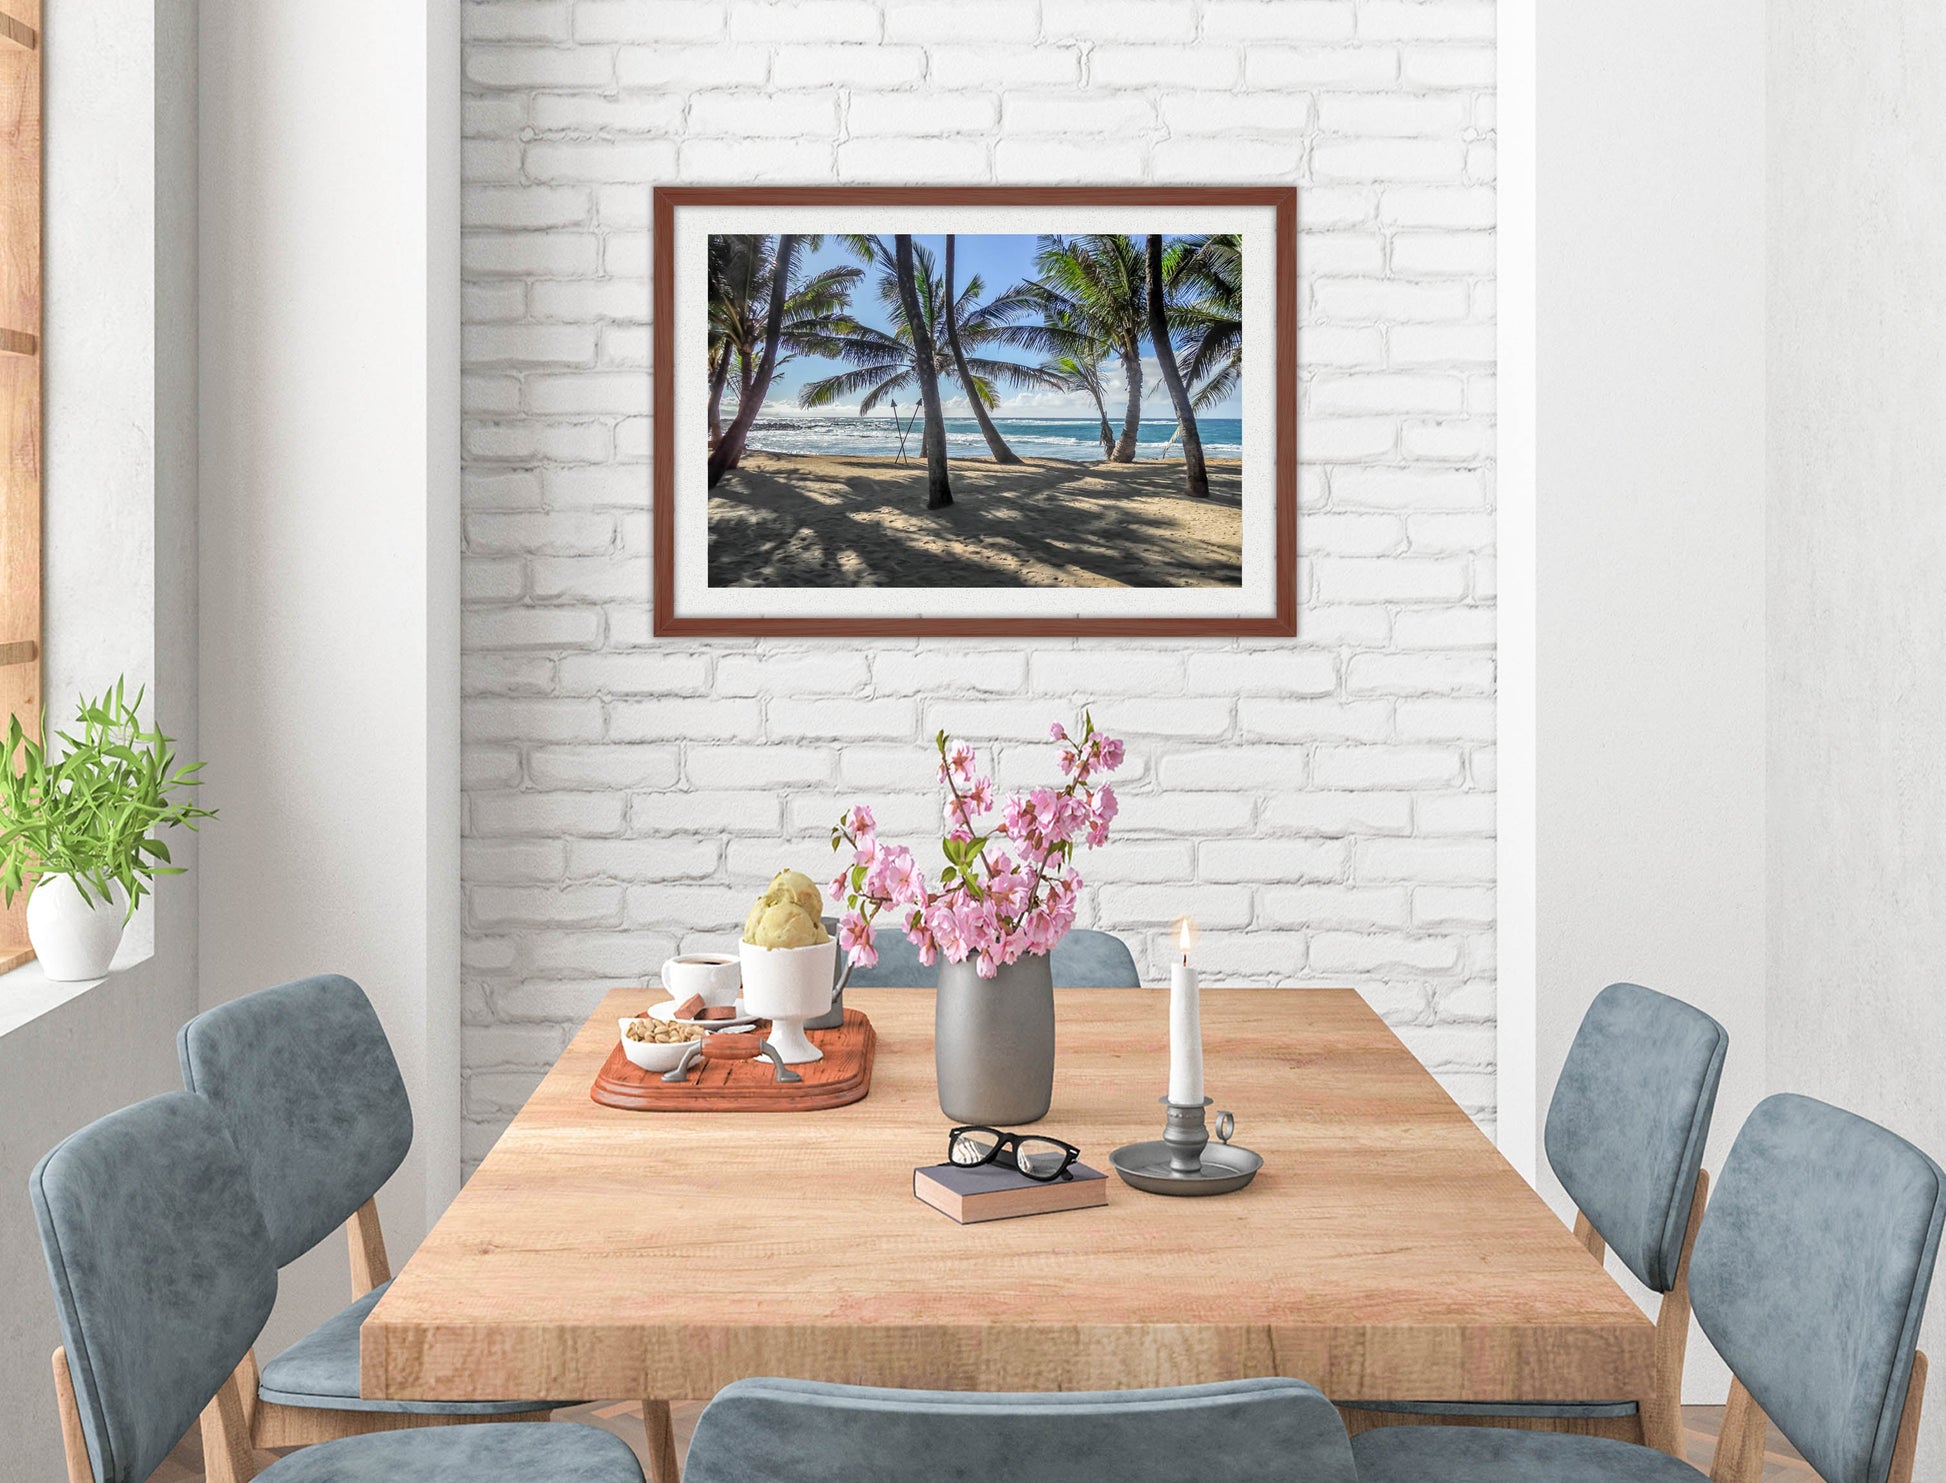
(799, 520)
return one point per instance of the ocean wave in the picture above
(1075, 441)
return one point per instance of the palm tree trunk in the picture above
(1132, 422)
(716, 382)
(996, 445)
(1194, 470)
(729, 448)
(939, 488)
(1107, 432)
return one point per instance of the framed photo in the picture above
(1093, 432)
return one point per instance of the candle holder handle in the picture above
(1187, 1134)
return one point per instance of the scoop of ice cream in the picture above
(786, 924)
(797, 886)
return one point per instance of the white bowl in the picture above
(788, 982)
(651, 1055)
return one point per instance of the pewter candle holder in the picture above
(1187, 1135)
(1182, 1162)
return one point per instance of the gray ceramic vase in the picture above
(993, 1042)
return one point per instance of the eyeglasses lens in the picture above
(1036, 1157)
(973, 1147)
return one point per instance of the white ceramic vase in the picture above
(73, 938)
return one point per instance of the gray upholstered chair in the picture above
(163, 1275)
(305, 1080)
(799, 1431)
(1084, 959)
(1625, 1135)
(1810, 1278)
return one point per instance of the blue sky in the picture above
(1000, 262)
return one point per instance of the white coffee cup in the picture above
(716, 976)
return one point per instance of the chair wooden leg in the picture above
(1907, 1445)
(74, 1442)
(1588, 1236)
(662, 1442)
(228, 1455)
(370, 1267)
(1662, 1426)
(1740, 1445)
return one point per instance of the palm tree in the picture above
(1081, 371)
(1206, 291)
(1195, 473)
(939, 489)
(883, 364)
(1096, 284)
(996, 445)
(740, 274)
(729, 448)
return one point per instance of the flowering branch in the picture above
(986, 907)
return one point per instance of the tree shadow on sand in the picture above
(1049, 524)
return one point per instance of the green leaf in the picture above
(92, 812)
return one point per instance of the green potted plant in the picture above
(83, 829)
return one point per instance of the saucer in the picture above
(1225, 1167)
(743, 1021)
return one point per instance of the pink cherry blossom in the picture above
(896, 873)
(1019, 894)
(855, 937)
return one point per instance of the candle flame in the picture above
(1186, 935)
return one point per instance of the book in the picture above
(989, 1192)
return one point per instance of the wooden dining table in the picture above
(1385, 1251)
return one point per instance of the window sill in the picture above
(27, 993)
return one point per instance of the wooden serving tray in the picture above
(843, 1076)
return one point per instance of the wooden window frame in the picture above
(20, 394)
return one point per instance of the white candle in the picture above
(1185, 1028)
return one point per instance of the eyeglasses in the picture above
(1042, 1159)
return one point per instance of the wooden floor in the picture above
(624, 1418)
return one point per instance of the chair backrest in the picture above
(1629, 1118)
(161, 1269)
(898, 965)
(1810, 1277)
(1247, 1431)
(305, 1079)
(1084, 959)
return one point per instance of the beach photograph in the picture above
(975, 410)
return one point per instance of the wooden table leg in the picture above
(662, 1442)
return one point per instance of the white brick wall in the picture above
(1323, 806)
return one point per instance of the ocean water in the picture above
(1079, 441)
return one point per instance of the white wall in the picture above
(1323, 806)
(329, 541)
(120, 521)
(1651, 528)
(1857, 545)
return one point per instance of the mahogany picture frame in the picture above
(1281, 622)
